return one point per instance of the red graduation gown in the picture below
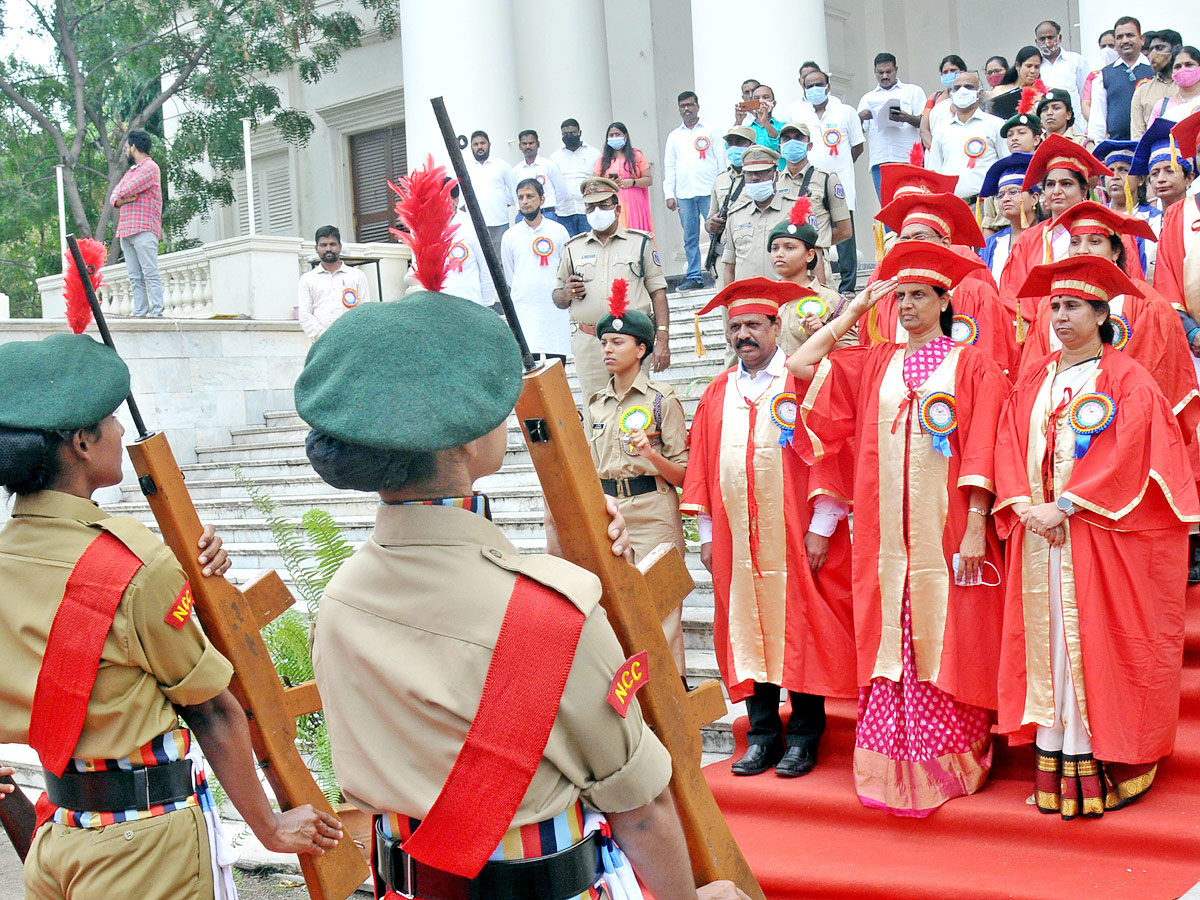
(1124, 570)
(1168, 271)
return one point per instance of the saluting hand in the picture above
(870, 295)
(304, 830)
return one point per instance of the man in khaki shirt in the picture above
(590, 262)
(760, 208)
(831, 213)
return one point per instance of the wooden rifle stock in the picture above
(18, 817)
(232, 619)
(636, 603)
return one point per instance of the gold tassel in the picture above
(1174, 152)
(1047, 250)
(1024, 215)
(978, 214)
(1020, 322)
(1128, 195)
(873, 326)
(700, 351)
(879, 242)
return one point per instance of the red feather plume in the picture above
(79, 311)
(916, 156)
(801, 210)
(1029, 97)
(618, 301)
(426, 208)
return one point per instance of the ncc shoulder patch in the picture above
(839, 192)
(181, 609)
(629, 679)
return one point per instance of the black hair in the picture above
(809, 64)
(1118, 245)
(768, 87)
(1126, 20)
(1108, 333)
(1003, 62)
(454, 190)
(1057, 27)
(755, 81)
(946, 319)
(356, 467)
(683, 96)
(139, 139)
(328, 231)
(610, 154)
(482, 134)
(30, 460)
(1103, 33)
(1026, 52)
(1190, 51)
(953, 58)
(569, 123)
(528, 131)
(819, 71)
(885, 57)
(533, 183)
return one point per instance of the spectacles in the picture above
(603, 204)
(1006, 193)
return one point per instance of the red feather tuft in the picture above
(916, 156)
(1039, 88)
(79, 311)
(426, 208)
(1029, 97)
(801, 210)
(618, 302)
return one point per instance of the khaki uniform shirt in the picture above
(792, 333)
(607, 442)
(624, 255)
(829, 207)
(405, 637)
(721, 188)
(746, 230)
(146, 665)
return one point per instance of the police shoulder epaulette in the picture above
(576, 237)
(639, 231)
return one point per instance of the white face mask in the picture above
(964, 97)
(1108, 56)
(600, 219)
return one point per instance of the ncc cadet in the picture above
(800, 178)
(590, 262)
(761, 207)
(639, 443)
(101, 657)
(436, 601)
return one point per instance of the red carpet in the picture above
(811, 838)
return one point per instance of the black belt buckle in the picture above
(141, 789)
(402, 882)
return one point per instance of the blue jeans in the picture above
(141, 262)
(549, 213)
(692, 211)
(576, 224)
(877, 177)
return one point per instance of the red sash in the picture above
(72, 655)
(504, 745)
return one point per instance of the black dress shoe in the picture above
(796, 762)
(757, 759)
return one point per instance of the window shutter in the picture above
(375, 158)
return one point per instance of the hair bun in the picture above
(24, 460)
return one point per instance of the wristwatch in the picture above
(1065, 504)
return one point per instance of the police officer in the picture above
(728, 183)
(639, 445)
(799, 177)
(590, 262)
(760, 208)
(411, 625)
(102, 655)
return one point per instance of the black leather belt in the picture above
(121, 789)
(558, 876)
(629, 487)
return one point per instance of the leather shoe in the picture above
(757, 759)
(796, 762)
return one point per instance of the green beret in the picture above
(1029, 120)
(61, 383)
(806, 233)
(429, 372)
(631, 322)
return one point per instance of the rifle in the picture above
(714, 242)
(636, 599)
(18, 817)
(232, 619)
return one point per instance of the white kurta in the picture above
(531, 257)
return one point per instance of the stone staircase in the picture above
(272, 456)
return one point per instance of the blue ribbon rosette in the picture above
(783, 413)
(939, 419)
(1122, 331)
(1089, 415)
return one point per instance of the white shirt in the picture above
(324, 296)
(689, 166)
(948, 151)
(546, 174)
(838, 127)
(574, 165)
(530, 257)
(1097, 126)
(466, 273)
(492, 180)
(827, 511)
(892, 141)
(1069, 72)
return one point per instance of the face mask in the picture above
(795, 151)
(1108, 55)
(734, 155)
(600, 219)
(617, 143)
(816, 94)
(948, 79)
(964, 97)
(995, 78)
(530, 216)
(760, 191)
(572, 141)
(1188, 77)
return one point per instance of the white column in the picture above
(1097, 16)
(562, 69)
(463, 51)
(726, 55)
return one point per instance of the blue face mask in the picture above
(816, 94)
(948, 79)
(617, 143)
(734, 155)
(793, 151)
(760, 191)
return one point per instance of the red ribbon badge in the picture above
(702, 144)
(458, 256)
(832, 139)
(630, 678)
(974, 148)
(543, 247)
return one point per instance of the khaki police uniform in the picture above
(147, 667)
(746, 231)
(791, 331)
(827, 195)
(403, 644)
(651, 518)
(629, 254)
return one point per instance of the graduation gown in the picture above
(901, 480)
(1123, 567)
(1177, 273)
(774, 622)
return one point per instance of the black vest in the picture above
(1119, 83)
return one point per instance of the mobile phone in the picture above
(751, 105)
(894, 112)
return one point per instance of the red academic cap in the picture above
(946, 214)
(1086, 277)
(757, 295)
(1185, 133)
(924, 262)
(1058, 152)
(901, 178)
(1090, 217)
